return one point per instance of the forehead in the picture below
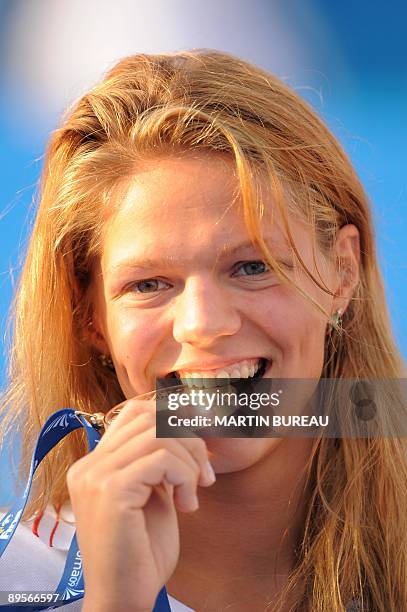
(189, 205)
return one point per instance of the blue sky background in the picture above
(348, 59)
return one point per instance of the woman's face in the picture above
(179, 287)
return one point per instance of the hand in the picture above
(124, 496)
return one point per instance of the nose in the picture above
(204, 312)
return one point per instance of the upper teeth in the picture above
(241, 369)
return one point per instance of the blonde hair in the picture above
(355, 542)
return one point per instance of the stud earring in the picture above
(335, 321)
(106, 362)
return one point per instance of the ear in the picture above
(347, 258)
(93, 310)
(96, 337)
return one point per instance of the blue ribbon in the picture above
(71, 586)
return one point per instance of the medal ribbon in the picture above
(71, 586)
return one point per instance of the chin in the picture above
(236, 454)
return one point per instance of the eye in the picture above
(252, 268)
(148, 285)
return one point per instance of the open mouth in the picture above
(249, 370)
(264, 366)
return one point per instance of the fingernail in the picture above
(209, 472)
(195, 503)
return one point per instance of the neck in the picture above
(247, 528)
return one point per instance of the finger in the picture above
(142, 421)
(191, 451)
(157, 468)
(129, 413)
(198, 450)
(145, 422)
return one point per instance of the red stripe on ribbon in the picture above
(55, 527)
(36, 524)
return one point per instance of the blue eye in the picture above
(252, 268)
(148, 285)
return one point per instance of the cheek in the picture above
(281, 312)
(293, 323)
(134, 340)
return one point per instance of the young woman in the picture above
(198, 219)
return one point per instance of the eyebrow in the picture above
(162, 262)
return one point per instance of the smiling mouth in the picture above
(209, 378)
